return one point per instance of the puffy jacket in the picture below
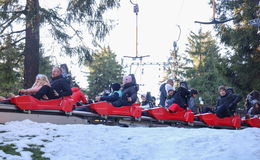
(61, 86)
(78, 96)
(129, 90)
(181, 97)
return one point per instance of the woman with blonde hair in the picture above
(40, 81)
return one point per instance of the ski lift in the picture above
(214, 21)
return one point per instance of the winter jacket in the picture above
(181, 97)
(169, 101)
(163, 95)
(253, 111)
(226, 105)
(61, 86)
(191, 104)
(129, 90)
(78, 96)
(228, 100)
(112, 97)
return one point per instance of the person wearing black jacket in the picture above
(60, 87)
(226, 102)
(129, 92)
(180, 98)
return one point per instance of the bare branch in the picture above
(14, 12)
(14, 32)
(7, 23)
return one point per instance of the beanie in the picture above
(115, 86)
(168, 88)
(127, 79)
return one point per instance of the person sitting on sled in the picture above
(255, 109)
(254, 95)
(59, 86)
(129, 92)
(191, 101)
(180, 99)
(40, 81)
(144, 103)
(170, 93)
(226, 102)
(115, 94)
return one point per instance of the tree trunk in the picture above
(31, 52)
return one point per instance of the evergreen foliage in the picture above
(243, 62)
(103, 70)
(204, 74)
(45, 64)
(176, 66)
(10, 68)
(23, 21)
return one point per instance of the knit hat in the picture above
(183, 84)
(168, 88)
(127, 79)
(115, 86)
(254, 102)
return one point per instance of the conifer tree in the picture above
(103, 70)
(243, 61)
(23, 21)
(204, 74)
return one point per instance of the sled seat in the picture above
(105, 108)
(27, 102)
(212, 120)
(253, 122)
(161, 113)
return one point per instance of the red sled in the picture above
(161, 113)
(27, 102)
(253, 122)
(105, 108)
(212, 120)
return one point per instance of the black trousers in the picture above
(121, 102)
(223, 111)
(45, 90)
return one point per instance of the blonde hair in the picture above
(41, 80)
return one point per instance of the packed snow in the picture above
(100, 142)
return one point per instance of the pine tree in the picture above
(204, 75)
(243, 61)
(10, 68)
(103, 70)
(23, 20)
(176, 66)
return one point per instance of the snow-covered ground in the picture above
(99, 142)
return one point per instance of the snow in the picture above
(100, 142)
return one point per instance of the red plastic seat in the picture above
(161, 113)
(212, 120)
(105, 108)
(27, 102)
(253, 122)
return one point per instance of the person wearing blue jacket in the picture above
(113, 96)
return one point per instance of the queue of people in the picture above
(174, 100)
